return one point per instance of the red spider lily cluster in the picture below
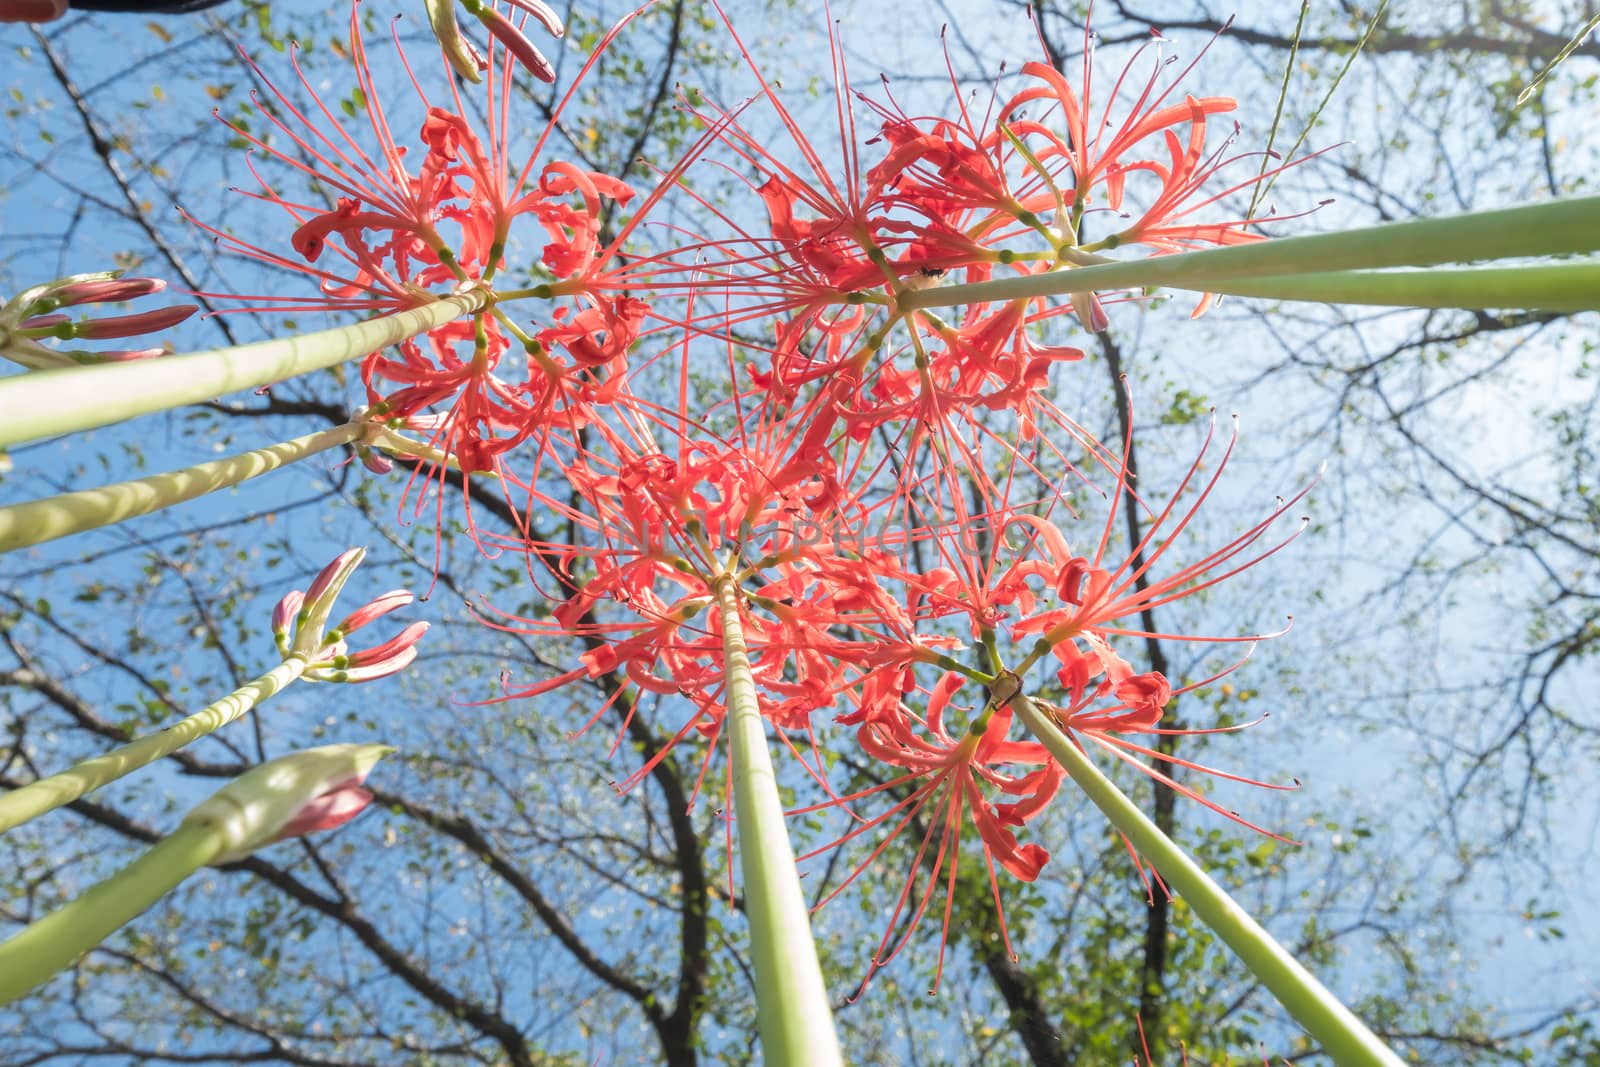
(890, 492)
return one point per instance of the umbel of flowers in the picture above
(808, 468)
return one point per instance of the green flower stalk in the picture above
(1342, 1036)
(1558, 228)
(49, 403)
(309, 651)
(792, 1010)
(1561, 287)
(47, 794)
(38, 521)
(317, 789)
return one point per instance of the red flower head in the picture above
(940, 779)
(406, 227)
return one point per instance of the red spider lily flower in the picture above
(660, 533)
(942, 779)
(1108, 729)
(401, 231)
(835, 239)
(840, 250)
(406, 227)
(987, 362)
(1075, 160)
(1087, 157)
(664, 529)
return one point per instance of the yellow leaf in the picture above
(160, 31)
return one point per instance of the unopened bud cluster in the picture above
(35, 315)
(300, 621)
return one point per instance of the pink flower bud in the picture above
(134, 325)
(121, 355)
(32, 10)
(287, 609)
(373, 672)
(313, 608)
(45, 322)
(517, 44)
(1091, 312)
(395, 646)
(375, 609)
(106, 291)
(544, 13)
(331, 809)
(329, 661)
(316, 789)
(344, 563)
(374, 461)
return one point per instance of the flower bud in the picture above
(374, 461)
(373, 671)
(391, 648)
(32, 10)
(376, 608)
(110, 290)
(517, 43)
(312, 790)
(319, 600)
(328, 811)
(543, 13)
(283, 618)
(1091, 312)
(116, 326)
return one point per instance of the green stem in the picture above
(1342, 1036)
(46, 794)
(1559, 287)
(48, 403)
(38, 521)
(792, 1009)
(51, 944)
(1556, 228)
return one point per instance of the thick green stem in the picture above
(52, 943)
(36, 798)
(1342, 1036)
(1557, 228)
(1561, 287)
(38, 521)
(792, 1009)
(47, 403)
